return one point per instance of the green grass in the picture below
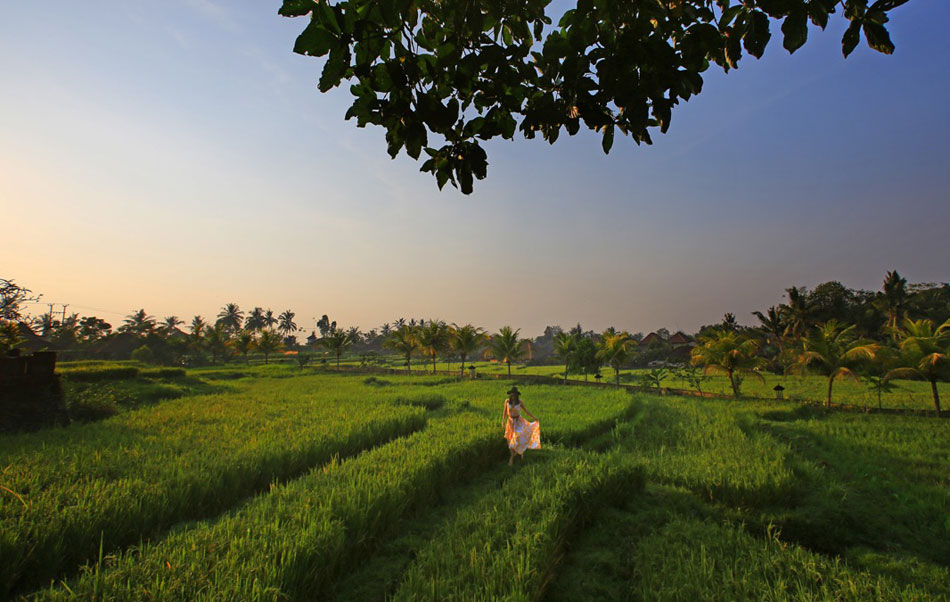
(236, 496)
(506, 546)
(131, 476)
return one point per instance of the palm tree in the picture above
(286, 325)
(403, 340)
(385, 329)
(197, 329)
(434, 339)
(506, 346)
(465, 341)
(255, 320)
(356, 336)
(138, 323)
(565, 346)
(231, 317)
(269, 342)
(925, 353)
(46, 323)
(797, 314)
(243, 343)
(772, 325)
(169, 324)
(270, 320)
(337, 341)
(727, 352)
(216, 340)
(834, 346)
(616, 349)
(894, 297)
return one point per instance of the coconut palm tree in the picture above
(231, 317)
(337, 341)
(46, 324)
(138, 323)
(270, 320)
(243, 343)
(197, 330)
(255, 320)
(565, 346)
(169, 324)
(506, 346)
(466, 341)
(925, 353)
(796, 312)
(216, 340)
(403, 340)
(834, 347)
(727, 352)
(286, 325)
(269, 342)
(433, 339)
(772, 325)
(615, 349)
(894, 297)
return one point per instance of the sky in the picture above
(177, 156)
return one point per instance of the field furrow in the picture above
(506, 546)
(297, 540)
(70, 492)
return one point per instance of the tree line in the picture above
(901, 331)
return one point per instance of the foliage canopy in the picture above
(441, 77)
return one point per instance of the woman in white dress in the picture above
(519, 433)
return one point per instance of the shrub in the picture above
(144, 354)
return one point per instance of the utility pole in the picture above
(65, 305)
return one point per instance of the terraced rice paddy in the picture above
(285, 485)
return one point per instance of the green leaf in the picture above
(313, 41)
(333, 70)
(795, 29)
(327, 17)
(851, 38)
(757, 34)
(608, 141)
(295, 8)
(878, 38)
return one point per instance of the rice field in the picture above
(289, 484)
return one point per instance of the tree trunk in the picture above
(617, 372)
(732, 381)
(933, 387)
(879, 399)
(433, 363)
(408, 365)
(831, 380)
(265, 358)
(462, 369)
(509, 369)
(565, 374)
(337, 362)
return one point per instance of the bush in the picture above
(144, 354)
(86, 404)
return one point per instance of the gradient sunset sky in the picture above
(176, 156)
